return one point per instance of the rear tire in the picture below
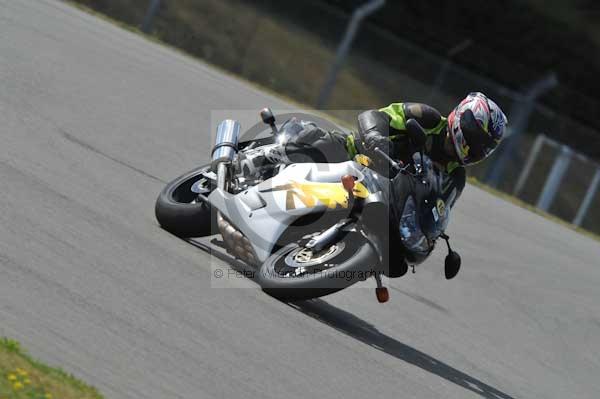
(353, 263)
(178, 214)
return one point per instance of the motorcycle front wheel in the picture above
(296, 273)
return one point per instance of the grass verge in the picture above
(23, 377)
(195, 35)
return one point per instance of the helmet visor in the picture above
(476, 142)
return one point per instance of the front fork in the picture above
(223, 173)
(329, 236)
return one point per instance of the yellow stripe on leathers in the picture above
(331, 195)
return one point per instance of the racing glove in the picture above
(374, 139)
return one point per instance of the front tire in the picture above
(183, 212)
(286, 276)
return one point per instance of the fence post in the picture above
(561, 164)
(153, 7)
(357, 16)
(587, 200)
(533, 154)
(441, 77)
(518, 120)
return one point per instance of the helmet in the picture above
(476, 126)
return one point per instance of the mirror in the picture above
(267, 116)
(452, 265)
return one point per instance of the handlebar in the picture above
(387, 158)
(418, 138)
(420, 167)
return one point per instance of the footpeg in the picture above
(381, 292)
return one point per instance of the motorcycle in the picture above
(310, 229)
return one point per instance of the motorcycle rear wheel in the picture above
(292, 274)
(183, 212)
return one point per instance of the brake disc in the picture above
(304, 257)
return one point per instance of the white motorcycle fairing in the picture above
(263, 212)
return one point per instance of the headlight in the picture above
(410, 231)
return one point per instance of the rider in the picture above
(467, 136)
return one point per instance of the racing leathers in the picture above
(384, 129)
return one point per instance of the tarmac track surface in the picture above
(96, 119)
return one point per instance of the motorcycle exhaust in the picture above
(236, 242)
(226, 143)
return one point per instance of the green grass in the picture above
(233, 37)
(22, 377)
(339, 120)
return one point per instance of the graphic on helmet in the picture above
(476, 127)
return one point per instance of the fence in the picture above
(571, 171)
